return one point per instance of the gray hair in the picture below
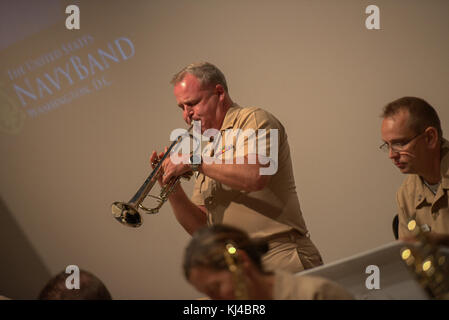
(205, 72)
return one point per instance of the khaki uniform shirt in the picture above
(295, 287)
(262, 214)
(415, 200)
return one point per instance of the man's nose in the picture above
(188, 112)
(392, 154)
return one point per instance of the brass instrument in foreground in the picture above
(127, 213)
(428, 262)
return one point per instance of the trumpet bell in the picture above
(126, 214)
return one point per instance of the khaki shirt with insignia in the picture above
(273, 210)
(415, 200)
(295, 287)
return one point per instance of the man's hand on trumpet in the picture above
(171, 169)
(154, 160)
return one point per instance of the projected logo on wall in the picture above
(58, 77)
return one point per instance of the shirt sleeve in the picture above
(258, 139)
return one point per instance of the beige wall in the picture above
(311, 63)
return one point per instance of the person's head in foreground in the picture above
(224, 263)
(90, 288)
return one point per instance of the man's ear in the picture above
(432, 137)
(219, 90)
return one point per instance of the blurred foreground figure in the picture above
(90, 288)
(224, 263)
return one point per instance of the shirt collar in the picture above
(230, 117)
(420, 195)
(416, 181)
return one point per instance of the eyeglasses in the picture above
(398, 146)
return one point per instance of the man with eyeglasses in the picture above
(412, 136)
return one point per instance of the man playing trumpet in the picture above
(244, 190)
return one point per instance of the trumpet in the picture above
(127, 213)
